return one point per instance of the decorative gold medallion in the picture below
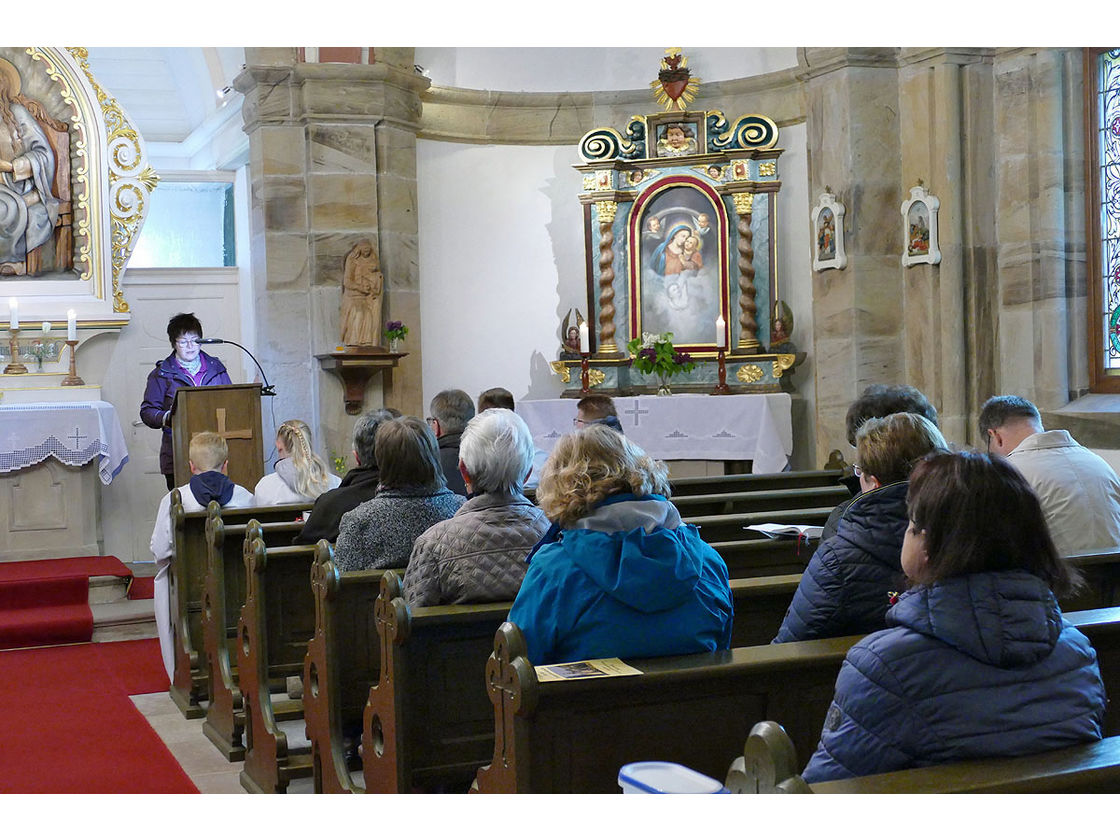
(768, 169)
(595, 377)
(749, 373)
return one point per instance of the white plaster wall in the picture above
(501, 261)
(588, 68)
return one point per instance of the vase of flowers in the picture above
(654, 353)
(395, 331)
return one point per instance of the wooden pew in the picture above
(752, 557)
(732, 526)
(769, 764)
(277, 621)
(701, 485)
(573, 736)
(429, 722)
(753, 501)
(222, 598)
(343, 661)
(189, 684)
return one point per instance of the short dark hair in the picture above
(495, 398)
(365, 433)
(181, 324)
(997, 411)
(452, 408)
(407, 454)
(884, 400)
(888, 447)
(597, 406)
(980, 515)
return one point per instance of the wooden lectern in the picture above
(234, 412)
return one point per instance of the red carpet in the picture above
(46, 602)
(70, 727)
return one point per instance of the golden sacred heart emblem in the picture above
(675, 87)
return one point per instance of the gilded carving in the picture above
(595, 377)
(607, 211)
(786, 360)
(749, 374)
(744, 203)
(561, 370)
(768, 169)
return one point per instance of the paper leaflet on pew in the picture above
(775, 531)
(587, 669)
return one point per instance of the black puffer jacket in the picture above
(846, 588)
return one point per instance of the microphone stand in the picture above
(267, 390)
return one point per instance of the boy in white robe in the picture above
(209, 459)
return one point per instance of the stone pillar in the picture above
(853, 137)
(332, 160)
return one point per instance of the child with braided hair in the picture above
(301, 475)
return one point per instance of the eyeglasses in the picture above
(857, 470)
(430, 421)
(187, 342)
(578, 421)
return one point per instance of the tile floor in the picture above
(200, 759)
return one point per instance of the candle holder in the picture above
(73, 378)
(721, 388)
(584, 376)
(15, 365)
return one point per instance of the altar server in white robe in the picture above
(209, 460)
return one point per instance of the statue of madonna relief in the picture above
(362, 287)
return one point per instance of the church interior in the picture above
(239, 183)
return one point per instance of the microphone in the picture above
(267, 390)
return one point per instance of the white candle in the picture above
(71, 325)
(46, 326)
(721, 331)
(584, 343)
(13, 313)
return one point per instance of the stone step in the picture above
(123, 620)
(105, 589)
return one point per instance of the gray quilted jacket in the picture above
(476, 556)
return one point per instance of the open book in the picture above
(773, 530)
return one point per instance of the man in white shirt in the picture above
(209, 459)
(1079, 491)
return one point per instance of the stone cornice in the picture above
(818, 61)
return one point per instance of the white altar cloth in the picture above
(732, 427)
(75, 433)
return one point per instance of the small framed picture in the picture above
(828, 233)
(677, 136)
(919, 227)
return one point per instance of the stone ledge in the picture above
(1093, 420)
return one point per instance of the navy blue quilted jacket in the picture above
(846, 588)
(977, 666)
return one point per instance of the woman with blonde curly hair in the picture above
(618, 573)
(301, 475)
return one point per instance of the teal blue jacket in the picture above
(629, 580)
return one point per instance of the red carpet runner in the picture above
(70, 727)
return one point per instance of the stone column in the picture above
(853, 134)
(332, 160)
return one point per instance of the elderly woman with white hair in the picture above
(478, 555)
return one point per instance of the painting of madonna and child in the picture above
(680, 256)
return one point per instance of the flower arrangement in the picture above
(654, 353)
(339, 463)
(395, 330)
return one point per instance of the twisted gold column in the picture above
(748, 309)
(606, 212)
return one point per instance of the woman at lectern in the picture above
(187, 365)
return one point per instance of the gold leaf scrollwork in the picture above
(561, 370)
(744, 203)
(606, 210)
(786, 360)
(749, 373)
(595, 377)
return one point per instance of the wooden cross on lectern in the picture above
(245, 434)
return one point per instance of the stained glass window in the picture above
(1108, 211)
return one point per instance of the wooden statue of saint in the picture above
(362, 288)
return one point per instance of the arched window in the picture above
(1102, 188)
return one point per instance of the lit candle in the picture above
(71, 325)
(584, 343)
(46, 326)
(13, 313)
(721, 332)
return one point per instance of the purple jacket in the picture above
(159, 394)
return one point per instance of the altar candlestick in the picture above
(584, 342)
(71, 325)
(13, 314)
(721, 330)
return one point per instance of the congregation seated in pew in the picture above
(846, 587)
(977, 660)
(450, 410)
(478, 555)
(300, 475)
(618, 573)
(209, 462)
(413, 496)
(357, 486)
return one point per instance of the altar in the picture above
(732, 427)
(53, 457)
